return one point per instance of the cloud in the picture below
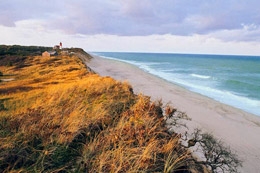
(24, 34)
(246, 33)
(227, 20)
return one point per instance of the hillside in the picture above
(58, 116)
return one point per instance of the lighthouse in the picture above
(60, 45)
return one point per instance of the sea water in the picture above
(232, 80)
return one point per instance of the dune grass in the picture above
(56, 116)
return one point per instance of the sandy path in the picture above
(238, 129)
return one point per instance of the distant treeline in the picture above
(18, 50)
(16, 54)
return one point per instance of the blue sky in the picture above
(181, 26)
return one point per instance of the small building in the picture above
(46, 54)
(56, 47)
(49, 54)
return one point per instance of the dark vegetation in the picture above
(16, 55)
(57, 116)
(17, 50)
(217, 156)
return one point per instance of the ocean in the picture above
(232, 80)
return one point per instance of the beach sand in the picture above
(236, 128)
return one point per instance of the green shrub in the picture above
(2, 106)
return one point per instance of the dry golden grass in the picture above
(58, 117)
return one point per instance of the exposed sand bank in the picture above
(238, 129)
(7, 80)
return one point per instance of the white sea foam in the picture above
(200, 76)
(226, 97)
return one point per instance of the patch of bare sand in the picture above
(7, 80)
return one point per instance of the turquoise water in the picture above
(233, 80)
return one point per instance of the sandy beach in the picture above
(236, 128)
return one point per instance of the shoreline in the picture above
(238, 129)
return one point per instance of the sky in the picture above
(170, 26)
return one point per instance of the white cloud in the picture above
(203, 44)
(226, 27)
(32, 24)
(133, 17)
(250, 33)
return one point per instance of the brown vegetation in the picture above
(56, 116)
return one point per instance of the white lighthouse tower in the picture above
(60, 45)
